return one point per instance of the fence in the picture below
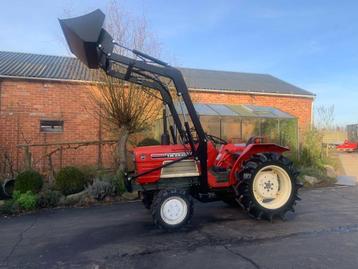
(50, 156)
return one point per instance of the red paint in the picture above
(251, 150)
(230, 156)
(347, 146)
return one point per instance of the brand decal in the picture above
(170, 155)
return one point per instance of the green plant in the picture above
(29, 180)
(311, 149)
(49, 198)
(26, 201)
(90, 172)
(148, 142)
(118, 182)
(70, 180)
(9, 207)
(100, 188)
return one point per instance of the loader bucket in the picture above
(83, 35)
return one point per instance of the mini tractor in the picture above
(189, 164)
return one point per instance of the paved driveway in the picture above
(349, 162)
(323, 233)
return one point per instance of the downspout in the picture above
(312, 114)
(0, 92)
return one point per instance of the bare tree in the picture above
(325, 117)
(125, 107)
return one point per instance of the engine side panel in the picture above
(149, 157)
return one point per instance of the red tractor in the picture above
(190, 163)
(347, 146)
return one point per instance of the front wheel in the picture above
(172, 209)
(268, 186)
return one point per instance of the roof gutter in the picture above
(48, 79)
(313, 96)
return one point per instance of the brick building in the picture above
(44, 100)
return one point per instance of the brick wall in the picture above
(25, 102)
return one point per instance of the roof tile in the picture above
(27, 65)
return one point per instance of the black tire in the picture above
(161, 198)
(246, 197)
(147, 199)
(7, 188)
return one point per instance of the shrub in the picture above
(99, 189)
(311, 154)
(70, 180)
(9, 207)
(49, 198)
(26, 201)
(90, 172)
(118, 183)
(148, 142)
(29, 180)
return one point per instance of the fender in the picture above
(249, 151)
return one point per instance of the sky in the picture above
(311, 44)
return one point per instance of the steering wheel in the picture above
(216, 140)
(255, 140)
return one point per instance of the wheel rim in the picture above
(174, 210)
(272, 187)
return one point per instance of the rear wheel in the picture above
(172, 209)
(267, 186)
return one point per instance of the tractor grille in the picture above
(185, 168)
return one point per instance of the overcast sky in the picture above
(312, 44)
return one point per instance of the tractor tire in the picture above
(172, 209)
(7, 188)
(147, 199)
(268, 186)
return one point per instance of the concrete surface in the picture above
(323, 233)
(349, 162)
(346, 181)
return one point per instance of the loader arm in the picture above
(94, 46)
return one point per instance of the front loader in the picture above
(190, 164)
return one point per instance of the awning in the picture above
(247, 111)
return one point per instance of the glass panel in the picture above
(280, 114)
(288, 134)
(205, 110)
(211, 125)
(267, 112)
(51, 126)
(250, 127)
(231, 129)
(222, 110)
(241, 110)
(270, 130)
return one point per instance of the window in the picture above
(51, 126)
